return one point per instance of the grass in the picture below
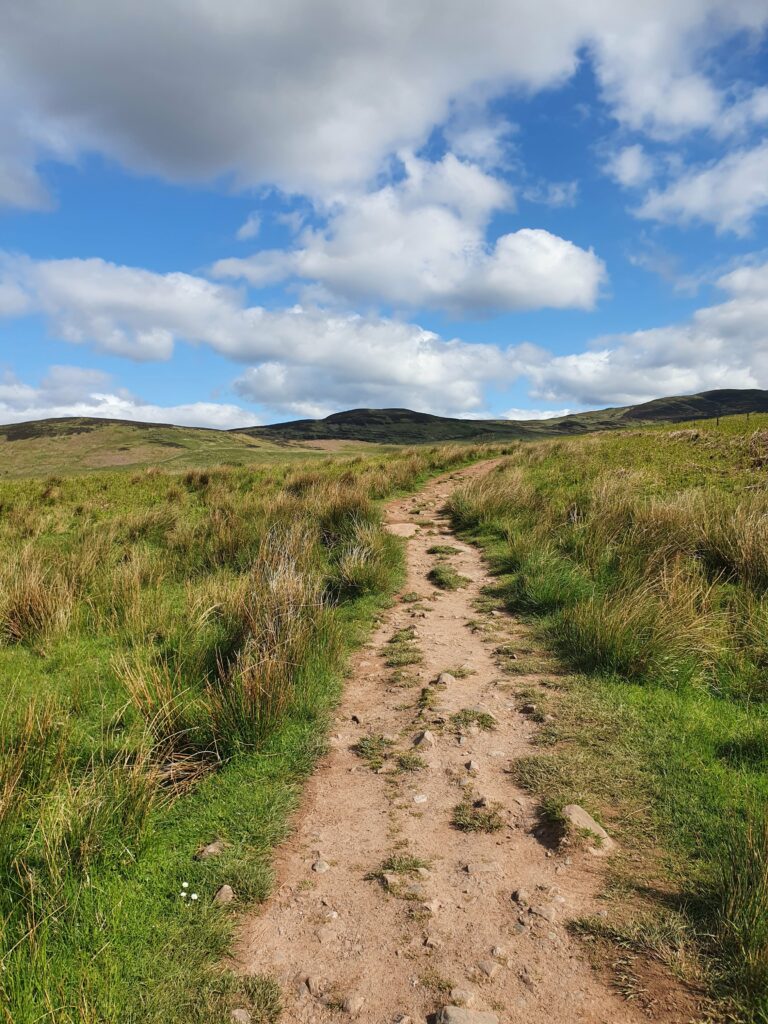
(172, 646)
(374, 749)
(402, 649)
(446, 577)
(401, 864)
(640, 561)
(442, 549)
(475, 815)
(468, 717)
(407, 761)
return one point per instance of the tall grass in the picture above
(644, 561)
(175, 641)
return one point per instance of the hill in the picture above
(403, 426)
(80, 444)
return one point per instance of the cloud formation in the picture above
(74, 391)
(421, 242)
(314, 96)
(728, 193)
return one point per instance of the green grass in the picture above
(171, 645)
(641, 561)
(445, 577)
(408, 761)
(402, 649)
(442, 549)
(470, 716)
(374, 749)
(474, 815)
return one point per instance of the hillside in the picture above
(77, 445)
(82, 445)
(403, 426)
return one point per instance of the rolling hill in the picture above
(81, 444)
(403, 426)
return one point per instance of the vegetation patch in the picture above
(374, 749)
(468, 717)
(475, 814)
(176, 644)
(641, 561)
(446, 577)
(442, 549)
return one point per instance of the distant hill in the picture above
(403, 426)
(81, 444)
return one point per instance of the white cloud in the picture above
(74, 391)
(307, 361)
(725, 345)
(553, 193)
(535, 414)
(300, 352)
(727, 194)
(421, 241)
(249, 228)
(630, 166)
(314, 96)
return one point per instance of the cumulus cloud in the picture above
(421, 241)
(723, 345)
(535, 414)
(75, 391)
(728, 193)
(314, 96)
(249, 228)
(299, 353)
(630, 166)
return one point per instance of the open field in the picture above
(87, 446)
(170, 646)
(641, 560)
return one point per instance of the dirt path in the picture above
(344, 945)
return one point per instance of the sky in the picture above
(229, 212)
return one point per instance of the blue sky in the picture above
(228, 213)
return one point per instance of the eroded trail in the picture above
(440, 924)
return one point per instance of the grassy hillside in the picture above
(642, 560)
(85, 445)
(170, 648)
(402, 426)
(79, 445)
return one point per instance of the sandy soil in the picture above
(344, 945)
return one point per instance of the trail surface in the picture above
(344, 945)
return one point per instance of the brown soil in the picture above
(337, 934)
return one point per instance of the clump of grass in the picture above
(442, 549)
(409, 761)
(265, 998)
(476, 815)
(400, 864)
(373, 749)
(402, 649)
(741, 907)
(471, 716)
(428, 699)
(461, 672)
(446, 577)
(410, 597)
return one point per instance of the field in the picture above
(641, 561)
(87, 446)
(170, 645)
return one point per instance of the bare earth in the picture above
(453, 934)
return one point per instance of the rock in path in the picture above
(581, 819)
(461, 1015)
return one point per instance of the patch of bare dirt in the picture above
(483, 921)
